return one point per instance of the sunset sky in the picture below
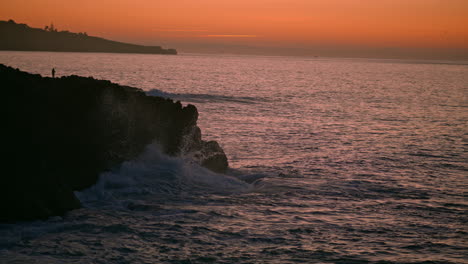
(297, 27)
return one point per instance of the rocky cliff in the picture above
(60, 134)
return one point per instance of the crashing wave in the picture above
(156, 174)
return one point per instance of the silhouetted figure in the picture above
(53, 72)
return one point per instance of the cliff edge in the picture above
(59, 134)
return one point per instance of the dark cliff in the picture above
(15, 36)
(60, 134)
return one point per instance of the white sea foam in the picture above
(156, 92)
(154, 173)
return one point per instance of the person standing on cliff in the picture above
(53, 72)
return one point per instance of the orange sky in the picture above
(439, 24)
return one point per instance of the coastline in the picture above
(21, 37)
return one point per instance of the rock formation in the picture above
(59, 134)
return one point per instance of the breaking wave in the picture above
(159, 176)
(203, 98)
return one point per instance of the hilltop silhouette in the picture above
(14, 36)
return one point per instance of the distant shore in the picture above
(21, 37)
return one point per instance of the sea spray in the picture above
(159, 175)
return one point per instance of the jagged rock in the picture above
(213, 157)
(60, 134)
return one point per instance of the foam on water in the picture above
(156, 92)
(204, 98)
(156, 174)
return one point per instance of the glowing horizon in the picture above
(427, 24)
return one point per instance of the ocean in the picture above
(332, 160)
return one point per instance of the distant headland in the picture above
(21, 37)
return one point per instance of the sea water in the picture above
(332, 161)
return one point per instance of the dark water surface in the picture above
(349, 161)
